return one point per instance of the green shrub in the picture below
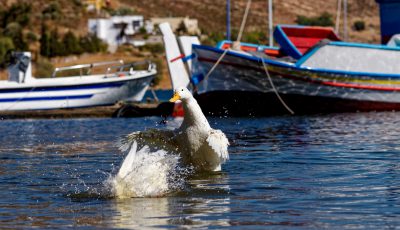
(142, 30)
(19, 12)
(14, 31)
(156, 48)
(44, 42)
(57, 48)
(6, 44)
(71, 44)
(77, 3)
(52, 11)
(213, 38)
(359, 25)
(325, 19)
(31, 36)
(92, 44)
(51, 45)
(256, 37)
(121, 11)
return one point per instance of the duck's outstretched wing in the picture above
(219, 143)
(154, 138)
(127, 163)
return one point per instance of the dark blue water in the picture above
(312, 172)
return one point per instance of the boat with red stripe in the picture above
(312, 71)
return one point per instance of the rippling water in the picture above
(337, 171)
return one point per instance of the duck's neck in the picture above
(193, 114)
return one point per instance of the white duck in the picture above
(198, 144)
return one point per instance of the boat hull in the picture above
(239, 86)
(72, 93)
(244, 103)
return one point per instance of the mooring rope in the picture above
(244, 20)
(246, 13)
(236, 45)
(275, 90)
(212, 69)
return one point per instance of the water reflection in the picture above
(204, 202)
(140, 212)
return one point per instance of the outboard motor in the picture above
(20, 69)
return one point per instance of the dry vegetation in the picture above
(211, 13)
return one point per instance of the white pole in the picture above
(345, 19)
(338, 11)
(270, 22)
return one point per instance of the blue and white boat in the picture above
(331, 76)
(313, 72)
(120, 82)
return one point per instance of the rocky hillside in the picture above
(211, 13)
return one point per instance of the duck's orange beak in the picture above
(175, 97)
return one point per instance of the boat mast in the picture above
(345, 20)
(338, 11)
(270, 22)
(228, 20)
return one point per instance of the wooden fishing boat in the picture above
(328, 76)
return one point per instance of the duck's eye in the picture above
(181, 89)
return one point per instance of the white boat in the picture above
(120, 82)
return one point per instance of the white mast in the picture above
(338, 11)
(345, 20)
(270, 22)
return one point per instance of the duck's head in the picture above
(182, 94)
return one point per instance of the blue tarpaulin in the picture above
(390, 18)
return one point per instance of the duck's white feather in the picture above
(144, 173)
(125, 168)
(219, 143)
(198, 144)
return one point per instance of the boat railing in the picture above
(90, 66)
(114, 66)
(130, 67)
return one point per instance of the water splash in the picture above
(147, 173)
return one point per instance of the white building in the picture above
(116, 30)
